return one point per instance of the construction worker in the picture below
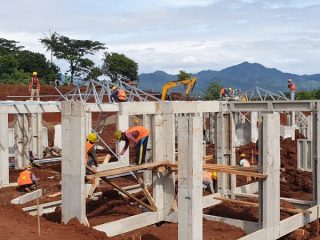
(91, 157)
(118, 95)
(27, 181)
(244, 163)
(34, 86)
(292, 88)
(222, 93)
(209, 180)
(137, 135)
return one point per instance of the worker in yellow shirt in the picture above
(209, 180)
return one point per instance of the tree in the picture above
(30, 61)
(8, 64)
(119, 67)
(183, 75)
(73, 51)
(213, 92)
(8, 46)
(94, 73)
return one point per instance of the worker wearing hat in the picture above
(292, 88)
(34, 86)
(209, 180)
(27, 181)
(137, 135)
(118, 95)
(91, 156)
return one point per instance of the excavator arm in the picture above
(188, 83)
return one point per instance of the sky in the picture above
(173, 35)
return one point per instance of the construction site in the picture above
(277, 197)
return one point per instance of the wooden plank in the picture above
(122, 190)
(251, 204)
(27, 197)
(145, 190)
(146, 166)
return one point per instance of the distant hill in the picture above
(244, 76)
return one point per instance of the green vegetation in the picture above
(119, 67)
(308, 95)
(16, 64)
(183, 75)
(74, 52)
(213, 92)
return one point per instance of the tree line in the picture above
(17, 63)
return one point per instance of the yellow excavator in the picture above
(188, 84)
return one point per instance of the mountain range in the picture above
(243, 76)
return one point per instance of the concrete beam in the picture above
(20, 107)
(104, 107)
(27, 197)
(73, 167)
(260, 234)
(190, 134)
(128, 224)
(270, 106)
(247, 226)
(4, 150)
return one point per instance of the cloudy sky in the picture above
(171, 35)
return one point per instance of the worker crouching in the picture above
(244, 163)
(137, 135)
(27, 181)
(118, 95)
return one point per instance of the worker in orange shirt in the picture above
(137, 135)
(209, 180)
(118, 95)
(91, 156)
(292, 88)
(27, 181)
(34, 86)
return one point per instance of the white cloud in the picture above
(181, 34)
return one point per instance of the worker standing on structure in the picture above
(209, 180)
(34, 86)
(137, 135)
(118, 95)
(27, 181)
(244, 163)
(91, 156)
(292, 88)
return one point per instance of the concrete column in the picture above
(232, 146)
(123, 125)
(190, 177)
(269, 189)
(73, 167)
(292, 123)
(316, 154)
(211, 129)
(21, 133)
(88, 123)
(4, 149)
(36, 134)
(163, 150)
(253, 126)
(147, 123)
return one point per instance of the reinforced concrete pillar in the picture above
(88, 123)
(147, 123)
(36, 134)
(316, 154)
(269, 162)
(21, 133)
(163, 150)
(225, 150)
(211, 129)
(4, 149)
(253, 126)
(123, 125)
(73, 167)
(190, 134)
(292, 123)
